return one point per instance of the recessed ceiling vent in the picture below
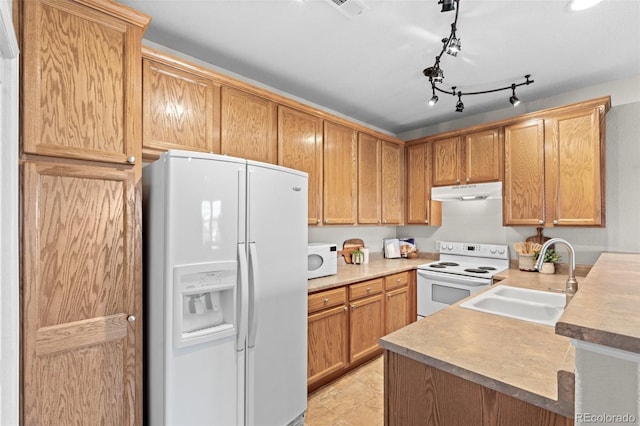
(349, 7)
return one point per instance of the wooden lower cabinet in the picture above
(345, 323)
(416, 394)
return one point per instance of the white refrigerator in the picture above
(225, 294)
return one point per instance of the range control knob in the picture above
(501, 250)
(450, 247)
(492, 250)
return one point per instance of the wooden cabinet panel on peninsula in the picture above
(555, 166)
(81, 295)
(470, 158)
(81, 80)
(419, 207)
(300, 148)
(340, 174)
(248, 126)
(181, 105)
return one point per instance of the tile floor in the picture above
(353, 400)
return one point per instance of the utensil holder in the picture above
(525, 262)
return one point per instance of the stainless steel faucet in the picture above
(572, 284)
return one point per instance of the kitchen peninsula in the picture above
(460, 366)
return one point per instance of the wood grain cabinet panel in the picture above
(181, 107)
(81, 295)
(366, 327)
(523, 202)
(328, 344)
(369, 179)
(483, 156)
(248, 126)
(575, 168)
(300, 148)
(447, 161)
(392, 185)
(81, 79)
(419, 207)
(397, 301)
(340, 174)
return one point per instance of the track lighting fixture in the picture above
(434, 98)
(514, 99)
(452, 46)
(447, 5)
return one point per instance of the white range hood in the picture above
(479, 191)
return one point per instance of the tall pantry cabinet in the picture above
(81, 226)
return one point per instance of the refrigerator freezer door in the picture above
(277, 232)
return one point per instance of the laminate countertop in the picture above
(377, 267)
(531, 362)
(525, 360)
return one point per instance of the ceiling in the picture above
(369, 66)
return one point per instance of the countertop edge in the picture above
(599, 337)
(564, 408)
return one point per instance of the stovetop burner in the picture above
(476, 270)
(487, 268)
(437, 265)
(448, 264)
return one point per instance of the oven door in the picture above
(437, 290)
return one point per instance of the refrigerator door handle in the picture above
(254, 293)
(243, 303)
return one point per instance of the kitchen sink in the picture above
(537, 306)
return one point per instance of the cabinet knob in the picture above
(457, 180)
(398, 280)
(131, 159)
(468, 179)
(353, 307)
(541, 222)
(555, 222)
(326, 300)
(317, 221)
(131, 318)
(368, 290)
(345, 308)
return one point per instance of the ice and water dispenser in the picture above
(204, 302)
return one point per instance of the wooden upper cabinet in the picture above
(369, 182)
(447, 161)
(419, 207)
(524, 193)
(472, 158)
(340, 174)
(248, 126)
(81, 80)
(392, 185)
(300, 148)
(181, 106)
(483, 157)
(575, 168)
(82, 300)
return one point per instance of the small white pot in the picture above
(548, 268)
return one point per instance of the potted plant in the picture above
(551, 257)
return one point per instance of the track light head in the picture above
(514, 99)
(453, 45)
(459, 104)
(447, 5)
(433, 100)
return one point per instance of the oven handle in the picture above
(455, 279)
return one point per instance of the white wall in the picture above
(9, 302)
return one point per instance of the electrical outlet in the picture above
(438, 245)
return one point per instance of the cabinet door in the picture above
(366, 327)
(248, 126)
(300, 148)
(575, 169)
(181, 108)
(340, 174)
(397, 309)
(523, 202)
(81, 81)
(369, 190)
(327, 343)
(447, 161)
(392, 212)
(81, 296)
(483, 154)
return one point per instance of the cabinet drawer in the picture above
(366, 288)
(398, 280)
(327, 299)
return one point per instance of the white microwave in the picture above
(322, 260)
